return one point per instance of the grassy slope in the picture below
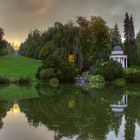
(16, 66)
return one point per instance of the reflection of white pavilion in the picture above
(119, 107)
(118, 55)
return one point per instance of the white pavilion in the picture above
(118, 55)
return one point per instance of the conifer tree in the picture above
(132, 32)
(127, 28)
(116, 36)
(129, 35)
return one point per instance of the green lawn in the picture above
(16, 66)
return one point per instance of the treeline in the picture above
(5, 47)
(88, 41)
(71, 48)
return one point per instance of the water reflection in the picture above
(118, 108)
(15, 108)
(68, 112)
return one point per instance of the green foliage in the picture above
(46, 74)
(111, 70)
(53, 61)
(120, 82)
(47, 50)
(1, 34)
(94, 81)
(55, 66)
(94, 38)
(138, 48)
(68, 72)
(132, 74)
(32, 44)
(84, 42)
(116, 36)
(3, 47)
(129, 44)
(132, 55)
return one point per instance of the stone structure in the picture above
(118, 55)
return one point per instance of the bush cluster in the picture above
(132, 74)
(94, 81)
(110, 70)
(56, 67)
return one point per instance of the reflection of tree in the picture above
(116, 123)
(46, 90)
(131, 114)
(72, 112)
(69, 112)
(129, 128)
(3, 111)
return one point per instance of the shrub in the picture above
(56, 67)
(48, 73)
(53, 61)
(97, 68)
(132, 74)
(68, 72)
(111, 70)
(120, 82)
(95, 81)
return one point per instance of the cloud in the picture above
(18, 16)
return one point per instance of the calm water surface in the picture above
(68, 112)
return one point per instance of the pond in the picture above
(40, 112)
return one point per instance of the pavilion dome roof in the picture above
(117, 48)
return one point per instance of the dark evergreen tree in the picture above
(129, 44)
(127, 28)
(138, 48)
(116, 36)
(1, 34)
(132, 32)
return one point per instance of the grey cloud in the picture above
(18, 16)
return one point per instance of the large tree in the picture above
(129, 44)
(138, 47)
(95, 40)
(116, 36)
(5, 47)
(32, 44)
(132, 32)
(100, 39)
(1, 34)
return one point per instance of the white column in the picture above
(126, 62)
(123, 63)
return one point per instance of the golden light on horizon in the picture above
(16, 45)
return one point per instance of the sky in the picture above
(18, 17)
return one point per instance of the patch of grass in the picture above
(14, 67)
